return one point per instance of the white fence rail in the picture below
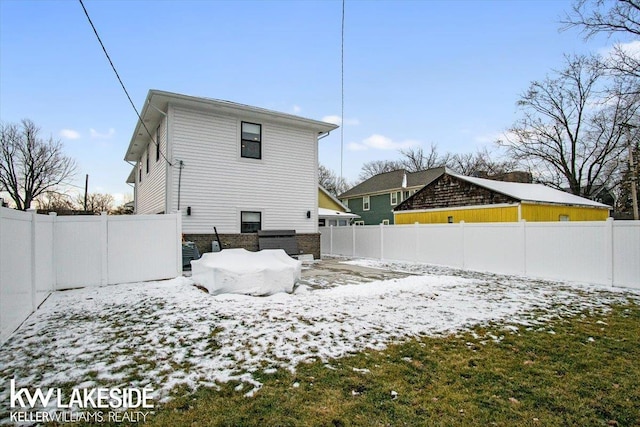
(43, 253)
(603, 252)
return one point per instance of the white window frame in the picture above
(366, 203)
(393, 198)
(385, 222)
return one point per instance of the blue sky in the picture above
(416, 72)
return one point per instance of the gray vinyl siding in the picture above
(217, 183)
(150, 193)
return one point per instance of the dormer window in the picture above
(251, 141)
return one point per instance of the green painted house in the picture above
(375, 198)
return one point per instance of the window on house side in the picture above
(251, 140)
(450, 219)
(140, 172)
(366, 202)
(394, 198)
(158, 143)
(147, 159)
(385, 222)
(250, 222)
(563, 218)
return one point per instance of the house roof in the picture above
(389, 181)
(156, 105)
(333, 198)
(536, 193)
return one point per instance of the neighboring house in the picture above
(331, 211)
(231, 166)
(375, 198)
(453, 198)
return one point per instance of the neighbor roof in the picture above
(536, 193)
(155, 106)
(389, 181)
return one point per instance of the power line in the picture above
(342, 93)
(122, 84)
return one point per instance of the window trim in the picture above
(393, 196)
(147, 158)
(385, 222)
(366, 200)
(242, 222)
(242, 140)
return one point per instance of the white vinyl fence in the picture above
(603, 252)
(43, 253)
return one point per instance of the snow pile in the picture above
(238, 271)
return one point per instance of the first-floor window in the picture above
(250, 222)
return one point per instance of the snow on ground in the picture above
(161, 334)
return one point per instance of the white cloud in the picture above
(297, 109)
(337, 120)
(97, 135)
(631, 48)
(69, 134)
(380, 142)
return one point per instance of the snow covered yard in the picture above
(161, 334)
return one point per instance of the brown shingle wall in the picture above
(449, 191)
(307, 243)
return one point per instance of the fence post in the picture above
(331, 239)
(353, 240)
(462, 242)
(381, 241)
(609, 246)
(54, 268)
(34, 302)
(178, 215)
(416, 257)
(104, 248)
(523, 226)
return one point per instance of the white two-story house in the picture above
(226, 165)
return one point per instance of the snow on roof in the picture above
(531, 192)
(323, 212)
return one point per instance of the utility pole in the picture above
(632, 171)
(86, 191)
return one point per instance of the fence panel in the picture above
(368, 241)
(440, 244)
(626, 254)
(342, 241)
(78, 251)
(494, 247)
(142, 247)
(399, 242)
(568, 251)
(15, 269)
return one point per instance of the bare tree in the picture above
(376, 167)
(331, 182)
(418, 159)
(570, 132)
(29, 165)
(483, 162)
(610, 17)
(54, 201)
(96, 202)
(602, 16)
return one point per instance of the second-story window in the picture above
(366, 202)
(394, 198)
(147, 157)
(251, 140)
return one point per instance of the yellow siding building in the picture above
(453, 198)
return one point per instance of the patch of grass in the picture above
(586, 374)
